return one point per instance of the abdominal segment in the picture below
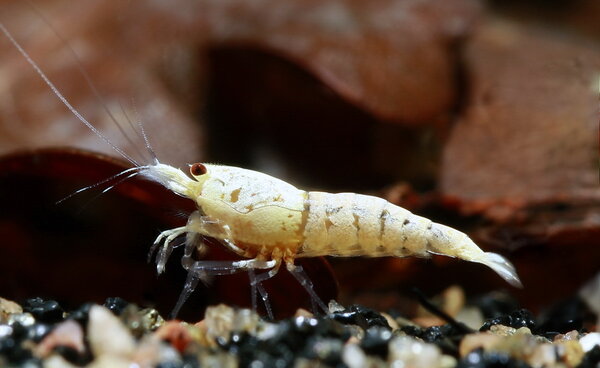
(348, 224)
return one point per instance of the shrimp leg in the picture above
(256, 284)
(302, 277)
(204, 270)
(196, 227)
(166, 249)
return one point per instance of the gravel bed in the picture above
(40, 333)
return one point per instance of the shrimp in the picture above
(268, 222)
(271, 222)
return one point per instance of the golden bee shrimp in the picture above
(270, 222)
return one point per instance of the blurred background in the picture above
(482, 115)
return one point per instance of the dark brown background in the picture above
(480, 115)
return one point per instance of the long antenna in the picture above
(136, 170)
(89, 81)
(108, 188)
(62, 98)
(132, 127)
(144, 135)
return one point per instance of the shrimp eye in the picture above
(198, 169)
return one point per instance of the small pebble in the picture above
(107, 335)
(151, 319)
(8, 307)
(20, 332)
(471, 317)
(443, 336)
(591, 359)
(111, 361)
(140, 322)
(570, 352)
(57, 361)
(543, 355)
(376, 340)
(73, 356)
(218, 322)
(68, 333)
(361, 316)
(567, 315)
(495, 304)
(516, 319)
(481, 359)
(176, 333)
(502, 330)
(23, 319)
(5, 330)
(38, 331)
(152, 350)
(569, 336)
(589, 341)
(47, 311)
(485, 340)
(353, 356)
(115, 305)
(406, 351)
(326, 350)
(81, 314)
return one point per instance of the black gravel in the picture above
(517, 319)
(319, 340)
(446, 337)
(73, 356)
(376, 341)
(48, 311)
(361, 316)
(13, 350)
(81, 314)
(38, 331)
(494, 304)
(480, 359)
(567, 315)
(295, 337)
(188, 362)
(116, 305)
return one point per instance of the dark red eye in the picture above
(198, 169)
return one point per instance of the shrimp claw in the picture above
(165, 251)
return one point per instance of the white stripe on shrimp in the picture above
(271, 222)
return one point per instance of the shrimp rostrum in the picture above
(269, 222)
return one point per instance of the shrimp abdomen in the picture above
(348, 224)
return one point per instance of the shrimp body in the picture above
(264, 217)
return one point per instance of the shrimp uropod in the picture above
(269, 222)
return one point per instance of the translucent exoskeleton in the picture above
(269, 222)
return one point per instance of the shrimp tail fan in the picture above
(504, 268)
